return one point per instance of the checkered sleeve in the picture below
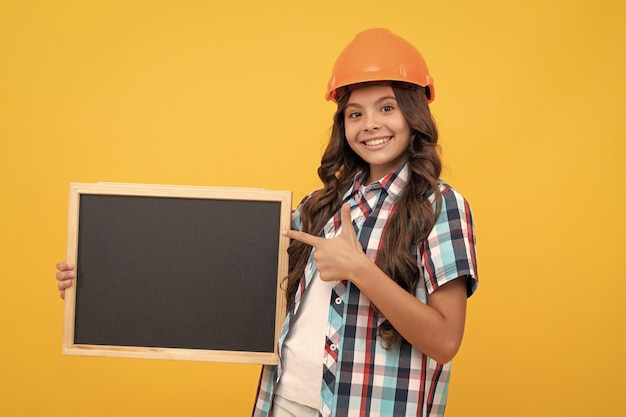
(265, 391)
(296, 222)
(296, 214)
(450, 251)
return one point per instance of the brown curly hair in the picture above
(414, 216)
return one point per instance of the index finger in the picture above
(303, 237)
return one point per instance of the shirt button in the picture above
(338, 300)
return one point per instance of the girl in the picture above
(382, 258)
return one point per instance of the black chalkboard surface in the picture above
(176, 272)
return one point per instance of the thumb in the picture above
(346, 222)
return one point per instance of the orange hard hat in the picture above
(379, 55)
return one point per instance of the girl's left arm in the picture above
(436, 328)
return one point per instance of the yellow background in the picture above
(530, 106)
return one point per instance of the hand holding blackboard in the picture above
(173, 272)
(65, 275)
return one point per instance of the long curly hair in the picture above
(414, 216)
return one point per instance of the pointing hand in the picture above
(337, 257)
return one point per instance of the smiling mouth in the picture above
(377, 141)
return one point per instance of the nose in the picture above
(371, 122)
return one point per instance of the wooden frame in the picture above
(156, 196)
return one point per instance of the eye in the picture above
(387, 108)
(354, 115)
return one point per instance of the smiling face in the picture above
(376, 129)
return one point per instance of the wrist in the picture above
(363, 269)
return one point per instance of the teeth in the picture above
(376, 142)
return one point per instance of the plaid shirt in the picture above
(360, 377)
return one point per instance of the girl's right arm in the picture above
(65, 277)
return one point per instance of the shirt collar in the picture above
(393, 183)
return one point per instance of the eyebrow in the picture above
(376, 102)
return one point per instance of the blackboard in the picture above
(176, 272)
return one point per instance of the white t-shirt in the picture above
(303, 350)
